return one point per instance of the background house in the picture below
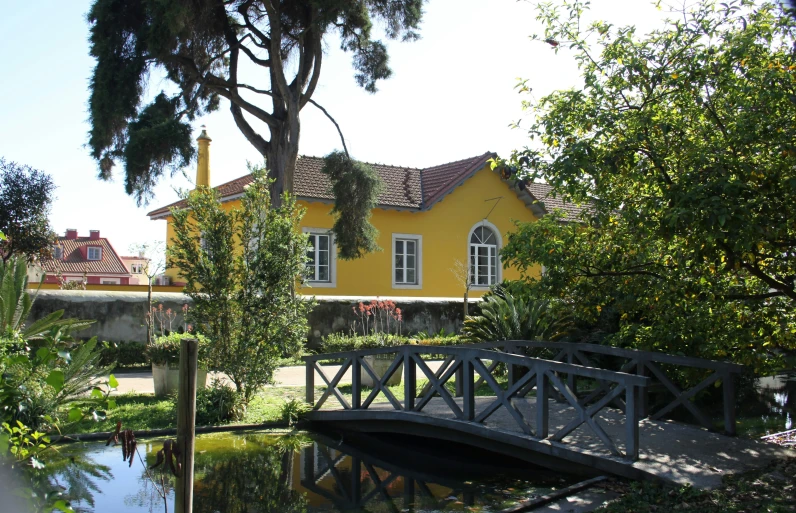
(429, 220)
(91, 259)
(138, 268)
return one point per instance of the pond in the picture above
(255, 471)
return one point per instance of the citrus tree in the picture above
(682, 144)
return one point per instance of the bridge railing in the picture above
(467, 362)
(640, 363)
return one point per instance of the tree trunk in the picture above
(466, 294)
(282, 155)
(148, 309)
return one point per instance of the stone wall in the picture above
(120, 315)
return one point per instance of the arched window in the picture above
(483, 255)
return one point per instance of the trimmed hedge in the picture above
(124, 354)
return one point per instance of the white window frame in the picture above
(418, 239)
(497, 246)
(71, 279)
(110, 281)
(95, 248)
(137, 268)
(332, 283)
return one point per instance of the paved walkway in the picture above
(675, 452)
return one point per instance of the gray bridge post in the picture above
(542, 406)
(468, 391)
(728, 386)
(410, 380)
(310, 385)
(356, 382)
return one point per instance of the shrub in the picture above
(166, 350)
(218, 404)
(338, 342)
(506, 317)
(124, 354)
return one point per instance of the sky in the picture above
(452, 96)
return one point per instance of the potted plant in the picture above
(380, 363)
(164, 354)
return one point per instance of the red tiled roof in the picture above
(542, 193)
(74, 262)
(404, 187)
(440, 180)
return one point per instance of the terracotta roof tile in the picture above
(404, 187)
(440, 180)
(74, 262)
(542, 193)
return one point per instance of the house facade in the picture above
(438, 226)
(90, 259)
(138, 267)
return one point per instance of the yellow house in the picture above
(431, 222)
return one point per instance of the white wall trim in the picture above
(418, 261)
(332, 283)
(499, 237)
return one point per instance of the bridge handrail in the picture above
(467, 362)
(486, 354)
(646, 363)
(688, 361)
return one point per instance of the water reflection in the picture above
(256, 472)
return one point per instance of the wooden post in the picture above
(310, 383)
(728, 385)
(631, 422)
(542, 408)
(468, 389)
(410, 380)
(186, 424)
(356, 382)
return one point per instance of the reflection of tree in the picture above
(77, 476)
(253, 479)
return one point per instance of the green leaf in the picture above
(62, 505)
(97, 393)
(42, 354)
(111, 404)
(113, 382)
(75, 414)
(56, 380)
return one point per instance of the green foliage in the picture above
(356, 187)
(218, 404)
(124, 354)
(165, 350)
(293, 410)
(200, 45)
(681, 143)
(244, 300)
(16, 302)
(340, 342)
(26, 195)
(505, 317)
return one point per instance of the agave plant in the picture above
(505, 317)
(16, 302)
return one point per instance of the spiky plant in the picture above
(506, 317)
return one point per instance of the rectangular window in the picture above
(319, 258)
(112, 281)
(407, 261)
(58, 252)
(136, 268)
(483, 264)
(94, 253)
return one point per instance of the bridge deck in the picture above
(671, 451)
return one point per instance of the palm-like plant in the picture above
(16, 302)
(505, 317)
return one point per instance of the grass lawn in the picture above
(144, 411)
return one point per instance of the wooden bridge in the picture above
(584, 404)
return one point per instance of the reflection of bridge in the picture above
(351, 478)
(583, 403)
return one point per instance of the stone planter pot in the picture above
(167, 379)
(380, 366)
